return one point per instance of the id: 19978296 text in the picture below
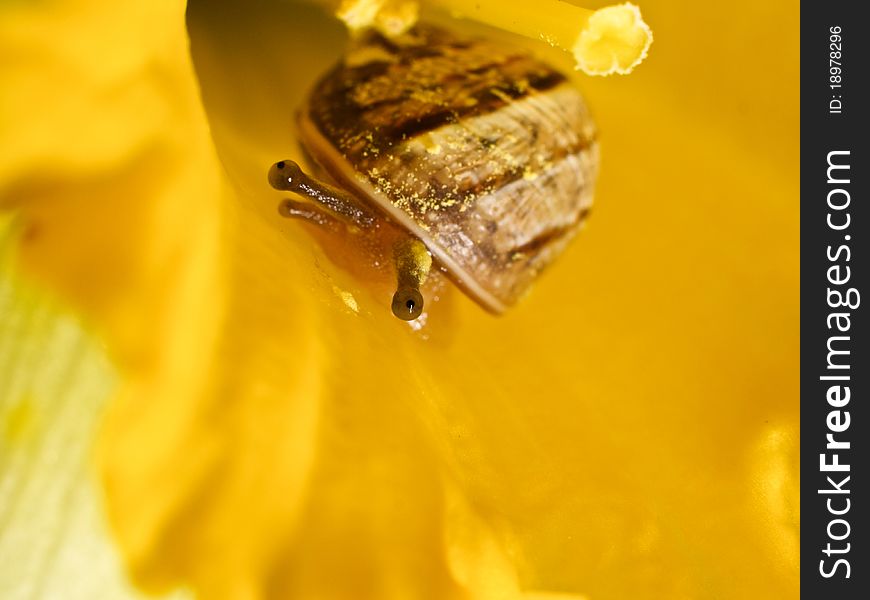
(835, 69)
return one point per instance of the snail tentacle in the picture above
(413, 263)
(295, 209)
(287, 175)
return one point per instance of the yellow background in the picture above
(629, 431)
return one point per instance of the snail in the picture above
(485, 156)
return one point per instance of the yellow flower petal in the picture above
(54, 384)
(600, 440)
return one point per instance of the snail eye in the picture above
(407, 303)
(285, 175)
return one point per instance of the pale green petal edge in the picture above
(54, 384)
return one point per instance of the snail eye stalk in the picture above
(413, 263)
(288, 176)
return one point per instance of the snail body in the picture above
(485, 154)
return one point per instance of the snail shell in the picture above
(483, 152)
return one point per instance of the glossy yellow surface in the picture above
(629, 431)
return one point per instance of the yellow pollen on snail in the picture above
(430, 145)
